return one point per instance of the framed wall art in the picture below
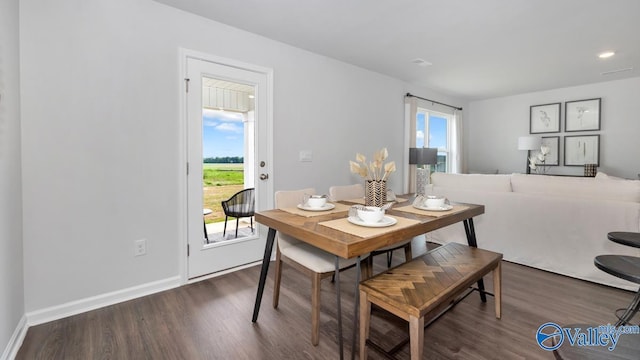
(581, 149)
(582, 115)
(553, 156)
(544, 118)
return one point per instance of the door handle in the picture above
(264, 176)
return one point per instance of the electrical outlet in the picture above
(140, 247)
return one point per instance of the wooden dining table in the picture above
(332, 232)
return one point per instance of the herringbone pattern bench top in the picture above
(418, 286)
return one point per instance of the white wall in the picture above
(100, 121)
(11, 275)
(493, 127)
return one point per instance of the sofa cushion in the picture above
(587, 187)
(480, 182)
(603, 176)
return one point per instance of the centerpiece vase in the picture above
(375, 193)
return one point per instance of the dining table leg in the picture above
(355, 311)
(338, 303)
(266, 259)
(469, 229)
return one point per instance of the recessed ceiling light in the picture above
(606, 54)
(421, 62)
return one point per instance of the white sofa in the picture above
(554, 223)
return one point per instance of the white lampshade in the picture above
(529, 142)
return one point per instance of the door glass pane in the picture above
(226, 116)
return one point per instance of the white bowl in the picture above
(316, 201)
(371, 214)
(434, 201)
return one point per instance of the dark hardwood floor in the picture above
(211, 319)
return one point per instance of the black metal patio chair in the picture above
(240, 205)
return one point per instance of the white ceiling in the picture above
(478, 48)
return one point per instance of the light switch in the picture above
(306, 155)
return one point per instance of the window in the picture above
(433, 130)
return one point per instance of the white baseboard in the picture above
(95, 302)
(15, 342)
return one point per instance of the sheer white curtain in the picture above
(458, 164)
(410, 113)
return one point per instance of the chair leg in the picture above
(365, 318)
(251, 221)
(224, 231)
(389, 258)
(277, 278)
(364, 269)
(237, 223)
(408, 255)
(315, 309)
(206, 235)
(369, 266)
(497, 289)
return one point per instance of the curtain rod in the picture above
(434, 102)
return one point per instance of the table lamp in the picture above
(423, 156)
(529, 143)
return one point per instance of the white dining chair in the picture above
(346, 192)
(314, 262)
(356, 191)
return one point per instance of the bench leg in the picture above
(365, 319)
(497, 289)
(416, 337)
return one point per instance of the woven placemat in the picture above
(411, 209)
(365, 232)
(307, 213)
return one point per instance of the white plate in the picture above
(442, 208)
(324, 207)
(386, 221)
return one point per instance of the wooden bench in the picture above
(425, 285)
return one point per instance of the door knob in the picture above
(264, 176)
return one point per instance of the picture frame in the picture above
(553, 157)
(582, 115)
(581, 149)
(544, 118)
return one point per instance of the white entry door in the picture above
(205, 258)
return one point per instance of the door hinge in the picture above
(187, 249)
(187, 168)
(186, 82)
